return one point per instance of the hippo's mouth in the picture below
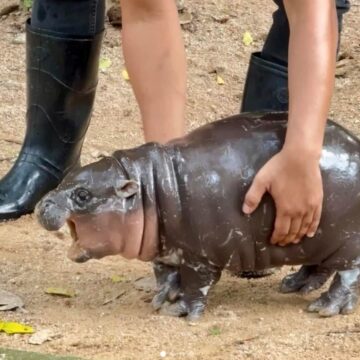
(103, 234)
(72, 228)
(76, 253)
(95, 236)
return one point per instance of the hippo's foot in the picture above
(307, 279)
(342, 297)
(196, 278)
(168, 284)
(192, 309)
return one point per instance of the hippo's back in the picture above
(216, 164)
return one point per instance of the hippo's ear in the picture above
(127, 188)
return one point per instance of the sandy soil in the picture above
(244, 319)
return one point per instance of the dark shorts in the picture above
(86, 18)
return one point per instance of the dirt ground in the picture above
(244, 319)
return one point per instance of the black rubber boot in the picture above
(61, 83)
(266, 86)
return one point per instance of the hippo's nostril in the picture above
(48, 203)
(50, 215)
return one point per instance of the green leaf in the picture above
(27, 3)
(104, 64)
(247, 38)
(214, 331)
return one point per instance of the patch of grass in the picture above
(214, 331)
(9, 354)
(27, 4)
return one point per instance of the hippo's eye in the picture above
(82, 196)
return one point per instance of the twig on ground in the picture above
(6, 159)
(118, 296)
(11, 141)
(345, 331)
(243, 341)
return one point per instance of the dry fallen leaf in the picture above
(218, 71)
(15, 328)
(60, 292)
(9, 301)
(125, 75)
(247, 38)
(117, 278)
(220, 80)
(146, 284)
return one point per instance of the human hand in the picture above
(294, 181)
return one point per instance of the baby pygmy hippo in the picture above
(179, 205)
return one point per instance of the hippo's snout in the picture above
(50, 215)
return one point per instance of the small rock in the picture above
(96, 154)
(185, 17)
(163, 354)
(192, 323)
(9, 301)
(221, 19)
(19, 39)
(180, 4)
(146, 284)
(42, 336)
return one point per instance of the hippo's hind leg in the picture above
(196, 278)
(307, 279)
(167, 284)
(342, 297)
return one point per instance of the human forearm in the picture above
(312, 57)
(293, 176)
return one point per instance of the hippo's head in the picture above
(100, 205)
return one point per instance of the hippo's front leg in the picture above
(196, 278)
(167, 283)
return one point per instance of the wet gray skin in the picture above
(179, 206)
